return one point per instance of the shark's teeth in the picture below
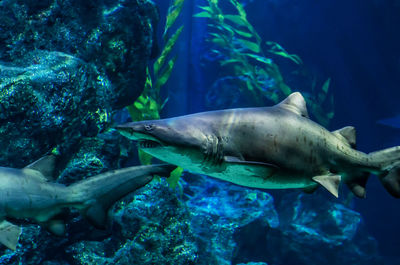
(148, 144)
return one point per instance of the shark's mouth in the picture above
(148, 144)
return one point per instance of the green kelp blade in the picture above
(135, 113)
(252, 46)
(202, 15)
(145, 158)
(325, 86)
(237, 20)
(166, 51)
(165, 73)
(277, 49)
(144, 108)
(225, 62)
(258, 58)
(174, 177)
(206, 8)
(173, 13)
(219, 41)
(243, 33)
(239, 8)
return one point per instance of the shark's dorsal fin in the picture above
(9, 234)
(330, 182)
(348, 134)
(295, 103)
(45, 166)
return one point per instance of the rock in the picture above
(218, 210)
(49, 104)
(154, 228)
(65, 68)
(314, 228)
(117, 36)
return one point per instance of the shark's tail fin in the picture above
(94, 196)
(387, 162)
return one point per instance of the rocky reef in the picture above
(65, 68)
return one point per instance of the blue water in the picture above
(356, 44)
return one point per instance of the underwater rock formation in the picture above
(313, 228)
(65, 67)
(218, 210)
(154, 228)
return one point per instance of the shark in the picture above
(29, 193)
(277, 147)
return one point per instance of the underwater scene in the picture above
(199, 132)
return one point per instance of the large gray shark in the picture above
(275, 147)
(27, 193)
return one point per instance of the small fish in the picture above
(28, 193)
(276, 147)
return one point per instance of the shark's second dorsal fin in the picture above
(45, 166)
(295, 103)
(348, 134)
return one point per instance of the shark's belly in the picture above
(22, 198)
(257, 177)
(252, 181)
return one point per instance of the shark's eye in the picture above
(149, 127)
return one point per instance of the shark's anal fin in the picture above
(257, 168)
(330, 182)
(9, 234)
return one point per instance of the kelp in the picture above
(149, 104)
(242, 53)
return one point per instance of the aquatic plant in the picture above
(242, 53)
(150, 103)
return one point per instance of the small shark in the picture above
(276, 147)
(27, 193)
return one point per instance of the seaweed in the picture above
(242, 53)
(150, 103)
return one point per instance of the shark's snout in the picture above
(144, 132)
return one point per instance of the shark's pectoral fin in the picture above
(96, 214)
(330, 182)
(260, 169)
(9, 234)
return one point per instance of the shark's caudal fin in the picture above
(388, 160)
(94, 196)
